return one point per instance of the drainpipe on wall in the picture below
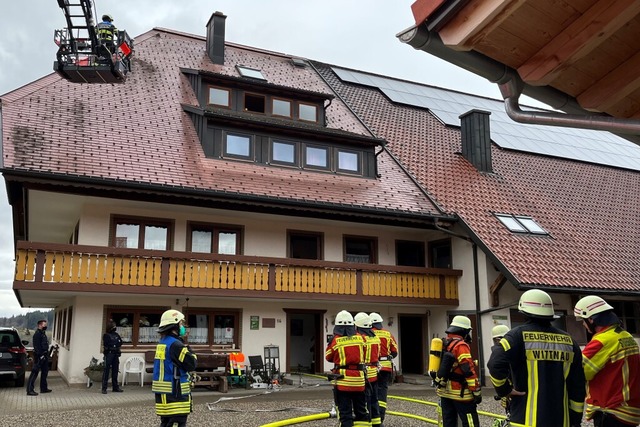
(476, 283)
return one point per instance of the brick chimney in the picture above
(215, 37)
(476, 139)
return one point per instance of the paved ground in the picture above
(80, 406)
(64, 397)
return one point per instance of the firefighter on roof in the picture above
(611, 363)
(346, 351)
(388, 351)
(545, 365)
(457, 380)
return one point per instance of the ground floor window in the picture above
(137, 326)
(213, 327)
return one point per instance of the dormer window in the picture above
(250, 72)
(317, 157)
(254, 103)
(239, 146)
(308, 112)
(348, 161)
(283, 152)
(281, 107)
(219, 96)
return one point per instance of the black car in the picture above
(13, 356)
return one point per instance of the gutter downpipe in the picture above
(512, 86)
(476, 285)
(512, 89)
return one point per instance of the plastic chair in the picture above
(134, 365)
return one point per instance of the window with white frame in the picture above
(521, 224)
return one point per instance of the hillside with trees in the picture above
(29, 320)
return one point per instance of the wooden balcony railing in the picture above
(93, 268)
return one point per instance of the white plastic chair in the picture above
(134, 365)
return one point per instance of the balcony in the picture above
(77, 268)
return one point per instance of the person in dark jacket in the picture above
(111, 343)
(40, 360)
(171, 367)
(107, 36)
(540, 368)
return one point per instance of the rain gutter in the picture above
(511, 86)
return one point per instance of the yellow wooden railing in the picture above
(89, 265)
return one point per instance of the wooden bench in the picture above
(212, 368)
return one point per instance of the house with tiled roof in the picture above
(261, 193)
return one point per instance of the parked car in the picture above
(13, 356)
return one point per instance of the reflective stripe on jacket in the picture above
(371, 354)
(611, 362)
(171, 380)
(107, 32)
(464, 379)
(546, 364)
(388, 349)
(347, 353)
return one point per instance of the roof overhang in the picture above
(586, 67)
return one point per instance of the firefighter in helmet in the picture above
(457, 380)
(371, 355)
(540, 367)
(346, 351)
(497, 332)
(388, 351)
(611, 362)
(107, 36)
(173, 362)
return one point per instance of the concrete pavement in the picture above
(14, 400)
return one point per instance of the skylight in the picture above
(250, 72)
(521, 224)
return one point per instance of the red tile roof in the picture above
(138, 132)
(592, 212)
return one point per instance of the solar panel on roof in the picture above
(447, 105)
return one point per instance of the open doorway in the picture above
(305, 344)
(412, 343)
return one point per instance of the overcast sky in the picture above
(359, 34)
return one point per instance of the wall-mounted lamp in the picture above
(390, 322)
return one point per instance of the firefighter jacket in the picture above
(371, 354)
(462, 379)
(546, 364)
(611, 362)
(171, 366)
(107, 32)
(347, 354)
(388, 349)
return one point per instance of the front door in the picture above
(411, 343)
(305, 346)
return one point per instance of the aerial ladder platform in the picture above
(82, 57)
